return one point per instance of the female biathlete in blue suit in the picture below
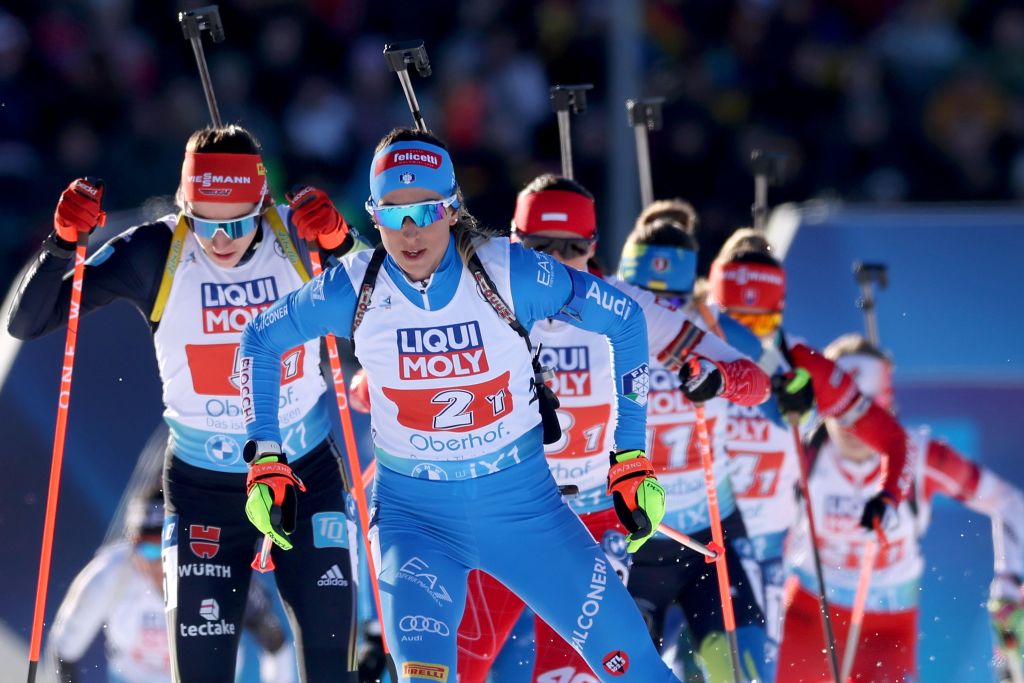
(442, 331)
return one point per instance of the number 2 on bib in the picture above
(457, 409)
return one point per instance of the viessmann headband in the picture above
(223, 178)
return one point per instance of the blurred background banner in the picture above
(902, 123)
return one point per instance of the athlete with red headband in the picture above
(845, 472)
(660, 255)
(749, 284)
(199, 276)
(556, 215)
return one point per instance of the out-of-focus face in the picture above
(147, 556)
(567, 247)
(222, 249)
(850, 447)
(417, 250)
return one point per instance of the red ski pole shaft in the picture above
(57, 461)
(728, 615)
(823, 607)
(867, 565)
(352, 455)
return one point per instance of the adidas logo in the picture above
(332, 577)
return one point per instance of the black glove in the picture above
(880, 509)
(793, 391)
(701, 380)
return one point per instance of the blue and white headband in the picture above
(411, 163)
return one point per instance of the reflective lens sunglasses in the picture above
(234, 228)
(421, 213)
(569, 247)
(761, 324)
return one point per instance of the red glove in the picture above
(359, 392)
(315, 217)
(78, 211)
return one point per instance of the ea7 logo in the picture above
(204, 540)
(446, 351)
(229, 307)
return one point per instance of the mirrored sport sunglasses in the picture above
(421, 213)
(234, 228)
(569, 247)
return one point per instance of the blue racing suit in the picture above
(442, 508)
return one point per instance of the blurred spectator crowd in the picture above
(871, 100)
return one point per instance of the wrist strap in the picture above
(55, 245)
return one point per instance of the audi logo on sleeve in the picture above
(421, 624)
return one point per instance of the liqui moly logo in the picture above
(230, 307)
(572, 369)
(408, 157)
(436, 352)
(665, 397)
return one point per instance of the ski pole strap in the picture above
(170, 266)
(287, 245)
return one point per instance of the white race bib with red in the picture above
(586, 394)
(450, 390)
(197, 355)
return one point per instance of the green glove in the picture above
(271, 505)
(639, 498)
(1007, 611)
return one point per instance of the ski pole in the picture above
(400, 56)
(644, 116)
(767, 168)
(710, 551)
(805, 492)
(193, 23)
(867, 565)
(868, 274)
(352, 454)
(566, 100)
(57, 460)
(728, 615)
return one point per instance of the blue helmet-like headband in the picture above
(659, 268)
(411, 163)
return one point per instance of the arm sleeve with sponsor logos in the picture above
(324, 305)
(129, 266)
(951, 474)
(836, 395)
(543, 288)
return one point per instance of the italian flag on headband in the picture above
(223, 178)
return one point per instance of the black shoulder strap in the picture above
(492, 297)
(476, 269)
(366, 289)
